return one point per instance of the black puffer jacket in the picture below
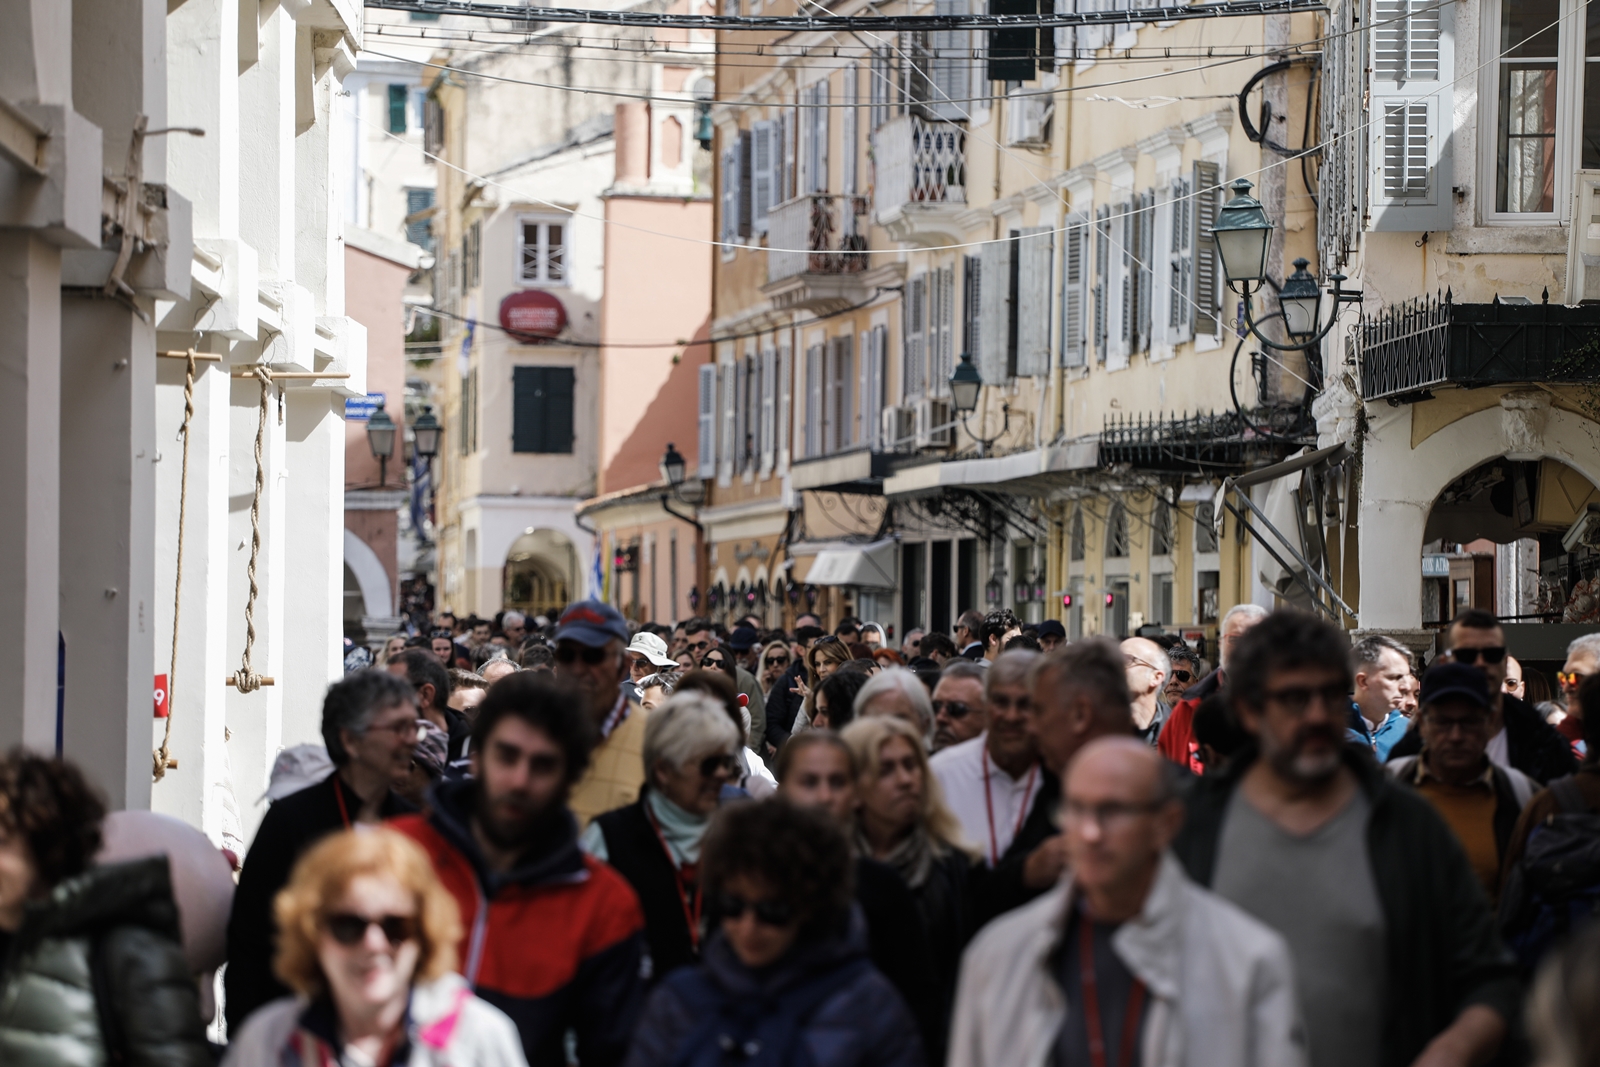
(96, 975)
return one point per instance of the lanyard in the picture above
(988, 803)
(1091, 1002)
(685, 877)
(344, 813)
(619, 711)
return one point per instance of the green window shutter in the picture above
(541, 418)
(398, 95)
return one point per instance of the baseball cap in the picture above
(592, 623)
(297, 768)
(652, 648)
(743, 638)
(1050, 627)
(1458, 680)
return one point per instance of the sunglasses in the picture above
(698, 646)
(712, 766)
(708, 661)
(1493, 654)
(953, 708)
(777, 661)
(570, 654)
(826, 639)
(1570, 677)
(767, 912)
(350, 930)
(1182, 675)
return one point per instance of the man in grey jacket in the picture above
(1135, 954)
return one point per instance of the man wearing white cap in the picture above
(649, 654)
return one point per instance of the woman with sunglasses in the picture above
(772, 665)
(366, 938)
(690, 757)
(785, 969)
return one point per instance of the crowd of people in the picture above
(581, 841)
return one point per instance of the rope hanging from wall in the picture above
(163, 755)
(245, 678)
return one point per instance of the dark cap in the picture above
(1459, 681)
(1050, 627)
(743, 638)
(592, 623)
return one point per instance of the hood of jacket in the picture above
(551, 856)
(808, 958)
(137, 893)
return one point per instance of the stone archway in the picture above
(540, 570)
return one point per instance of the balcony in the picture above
(1413, 348)
(812, 265)
(921, 189)
(1220, 443)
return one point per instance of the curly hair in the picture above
(53, 808)
(321, 879)
(799, 853)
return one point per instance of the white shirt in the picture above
(1498, 752)
(960, 770)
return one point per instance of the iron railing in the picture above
(816, 234)
(919, 161)
(1210, 442)
(1412, 348)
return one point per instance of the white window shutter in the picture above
(1127, 277)
(942, 326)
(708, 420)
(1180, 263)
(815, 385)
(1066, 36)
(1411, 115)
(730, 195)
(951, 68)
(1207, 291)
(763, 173)
(848, 122)
(1035, 249)
(822, 111)
(1074, 291)
(994, 314)
(769, 404)
(785, 154)
(741, 413)
(866, 406)
(914, 339)
(785, 406)
(1144, 291)
(1102, 279)
(728, 449)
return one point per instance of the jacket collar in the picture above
(808, 957)
(552, 856)
(1148, 943)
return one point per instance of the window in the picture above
(870, 397)
(769, 404)
(419, 231)
(542, 252)
(951, 66)
(814, 138)
(1529, 66)
(995, 353)
(399, 96)
(1117, 532)
(467, 435)
(1162, 534)
(1102, 258)
(1077, 541)
(839, 401)
(541, 411)
(882, 78)
(1035, 248)
(914, 339)
(472, 256)
(814, 387)
(971, 294)
(1161, 600)
(1074, 290)
(1205, 527)
(1209, 584)
(764, 172)
(847, 140)
(432, 126)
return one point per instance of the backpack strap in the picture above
(100, 984)
(1569, 798)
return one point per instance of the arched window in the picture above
(1117, 532)
(1205, 530)
(1077, 542)
(1162, 537)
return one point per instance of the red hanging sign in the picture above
(532, 315)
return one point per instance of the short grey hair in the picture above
(1588, 645)
(686, 728)
(1254, 612)
(1009, 668)
(963, 668)
(1369, 650)
(512, 617)
(897, 680)
(354, 701)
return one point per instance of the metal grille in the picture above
(921, 162)
(818, 225)
(1341, 182)
(1209, 442)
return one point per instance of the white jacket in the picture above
(1220, 983)
(449, 1027)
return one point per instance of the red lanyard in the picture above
(685, 876)
(344, 813)
(1091, 1002)
(988, 803)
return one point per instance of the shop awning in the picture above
(1034, 472)
(870, 566)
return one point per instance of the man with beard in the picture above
(551, 937)
(1394, 947)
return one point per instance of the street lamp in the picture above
(380, 438)
(1301, 301)
(425, 434)
(965, 384)
(1243, 233)
(673, 466)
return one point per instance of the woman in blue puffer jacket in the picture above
(784, 980)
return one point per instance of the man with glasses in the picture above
(1126, 960)
(590, 640)
(1519, 736)
(369, 724)
(699, 637)
(1185, 672)
(1583, 659)
(1148, 668)
(1394, 946)
(960, 712)
(992, 779)
(968, 636)
(431, 683)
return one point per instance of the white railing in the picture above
(920, 162)
(816, 234)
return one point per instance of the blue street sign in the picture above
(360, 408)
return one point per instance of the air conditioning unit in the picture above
(1583, 239)
(1028, 117)
(935, 424)
(899, 428)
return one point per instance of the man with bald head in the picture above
(1137, 964)
(1148, 669)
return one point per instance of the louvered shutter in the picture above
(1102, 279)
(866, 402)
(725, 438)
(785, 155)
(1180, 262)
(845, 382)
(1411, 115)
(943, 328)
(1074, 291)
(1066, 37)
(785, 406)
(1207, 291)
(950, 69)
(848, 121)
(730, 193)
(994, 315)
(1034, 250)
(744, 183)
(914, 338)
(814, 356)
(1127, 276)
(763, 173)
(741, 413)
(1144, 291)
(769, 406)
(708, 420)
(822, 136)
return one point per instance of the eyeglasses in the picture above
(1181, 675)
(402, 729)
(350, 930)
(954, 708)
(1295, 699)
(570, 654)
(712, 766)
(719, 662)
(1135, 661)
(1513, 684)
(1570, 678)
(698, 646)
(777, 661)
(1492, 654)
(767, 912)
(1105, 816)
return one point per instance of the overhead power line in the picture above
(835, 23)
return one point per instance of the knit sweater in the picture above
(616, 770)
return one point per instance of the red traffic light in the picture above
(1111, 598)
(1066, 600)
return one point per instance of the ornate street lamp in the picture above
(1243, 233)
(425, 433)
(380, 438)
(673, 466)
(1301, 302)
(965, 385)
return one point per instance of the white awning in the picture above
(870, 566)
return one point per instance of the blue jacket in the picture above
(860, 1022)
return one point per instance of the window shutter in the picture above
(994, 314)
(1035, 248)
(785, 154)
(848, 137)
(708, 420)
(769, 403)
(951, 66)
(1102, 257)
(1144, 291)
(841, 388)
(1066, 37)
(1180, 215)
(741, 413)
(1411, 113)
(785, 406)
(814, 401)
(763, 174)
(729, 448)
(1128, 277)
(822, 110)
(1074, 290)
(942, 327)
(1207, 186)
(541, 415)
(398, 95)
(730, 193)
(866, 404)
(744, 212)
(971, 302)
(914, 338)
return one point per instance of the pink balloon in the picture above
(202, 878)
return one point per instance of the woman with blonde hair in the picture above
(903, 822)
(366, 939)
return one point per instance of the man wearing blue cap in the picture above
(591, 638)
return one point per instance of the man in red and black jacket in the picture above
(553, 938)
(1177, 741)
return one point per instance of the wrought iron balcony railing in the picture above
(1215, 442)
(919, 162)
(1412, 348)
(816, 234)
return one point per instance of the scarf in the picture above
(912, 858)
(682, 830)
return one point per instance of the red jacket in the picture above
(557, 944)
(1177, 741)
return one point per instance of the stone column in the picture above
(314, 545)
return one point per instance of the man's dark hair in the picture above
(1589, 703)
(546, 703)
(51, 806)
(998, 624)
(1284, 640)
(971, 620)
(801, 853)
(798, 743)
(1026, 641)
(809, 633)
(1215, 725)
(1093, 666)
(354, 700)
(698, 624)
(840, 690)
(1474, 619)
(536, 655)
(937, 644)
(424, 668)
